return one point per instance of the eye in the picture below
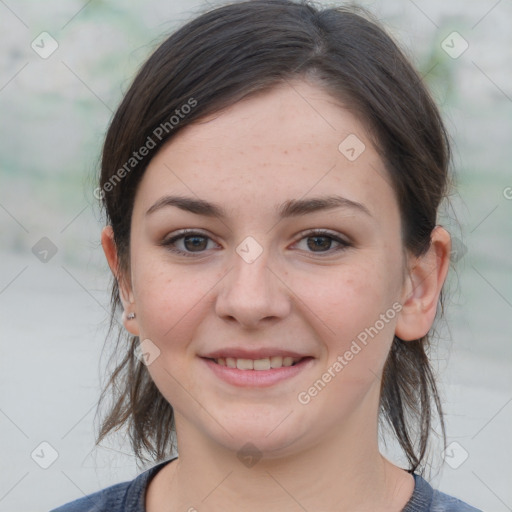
(321, 241)
(187, 243)
(190, 243)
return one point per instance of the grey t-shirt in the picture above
(131, 496)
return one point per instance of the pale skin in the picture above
(250, 159)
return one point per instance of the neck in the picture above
(343, 471)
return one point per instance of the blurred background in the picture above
(64, 69)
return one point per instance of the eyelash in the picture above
(168, 243)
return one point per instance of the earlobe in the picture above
(423, 286)
(125, 291)
(130, 323)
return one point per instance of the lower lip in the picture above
(257, 378)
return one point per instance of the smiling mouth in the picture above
(267, 363)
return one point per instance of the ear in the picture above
(125, 289)
(422, 287)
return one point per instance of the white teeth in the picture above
(276, 362)
(287, 361)
(245, 364)
(262, 364)
(257, 364)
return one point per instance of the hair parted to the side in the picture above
(247, 47)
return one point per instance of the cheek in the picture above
(169, 301)
(353, 312)
(352, 295)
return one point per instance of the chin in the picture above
(270, 439)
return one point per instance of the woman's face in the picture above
(306, 261)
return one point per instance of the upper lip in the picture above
(261, 353)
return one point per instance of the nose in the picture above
(253, 293)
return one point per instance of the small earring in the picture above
(130, 316)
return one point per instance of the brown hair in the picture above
(240, 49)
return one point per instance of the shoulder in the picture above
(111, 498)
(426, 499)
(125, 496)
(442, 502)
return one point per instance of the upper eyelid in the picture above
(300, 236)
(197, 231)
(323, 232)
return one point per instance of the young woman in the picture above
(271, 182)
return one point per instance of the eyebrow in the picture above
(290, 208)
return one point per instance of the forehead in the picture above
(289, 142)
